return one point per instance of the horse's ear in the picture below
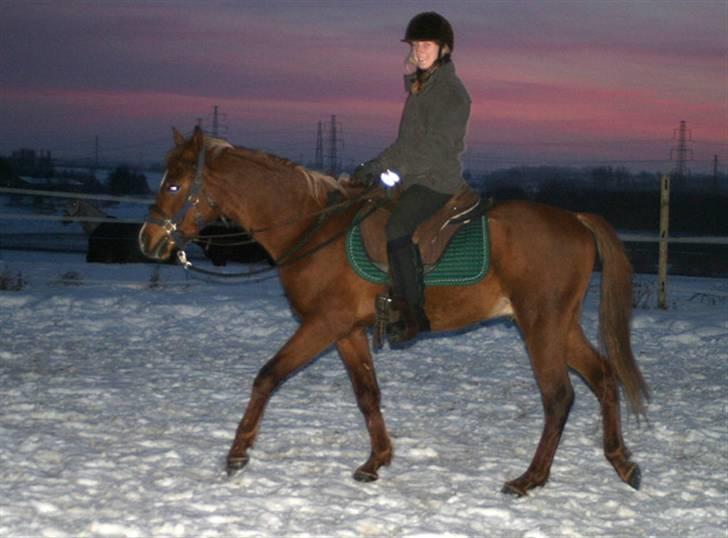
(178, 138)
(198, 137)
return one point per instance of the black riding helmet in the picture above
(430, 26)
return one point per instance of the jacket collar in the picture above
(446, 69)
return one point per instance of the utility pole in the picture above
(318, 159)
(716, 193)
(96, 153)
(214, 121)
(715, 173)
(664, 238)
(333, 159)
(681, 153)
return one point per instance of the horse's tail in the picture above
(615, 310)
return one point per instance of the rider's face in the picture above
(425, 53)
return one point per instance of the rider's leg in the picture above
(415, 205)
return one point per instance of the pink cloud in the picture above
(601, 71)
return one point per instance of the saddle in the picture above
(432, 236)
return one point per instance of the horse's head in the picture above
(71, 209)
(182, 206)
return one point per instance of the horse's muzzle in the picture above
(159, 250)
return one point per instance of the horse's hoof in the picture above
(635, 478)
(235, 465)
(512, 489)
(365, 476)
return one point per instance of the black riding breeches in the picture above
(415, 205)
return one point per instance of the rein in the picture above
(289, 257)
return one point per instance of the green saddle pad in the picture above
(465, 260)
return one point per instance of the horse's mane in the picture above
(216, 145)
(317, 183)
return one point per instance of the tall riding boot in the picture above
(407, 293)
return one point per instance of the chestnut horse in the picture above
(542, 260)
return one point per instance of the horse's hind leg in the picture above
(545, 346)
(309, 340)
(598, 373)
(354, 352)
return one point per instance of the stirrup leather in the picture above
(382, 306)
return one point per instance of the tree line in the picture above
(121, 181)
(629, 201)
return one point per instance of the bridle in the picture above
(170, 224)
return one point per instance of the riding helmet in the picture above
(430, 26)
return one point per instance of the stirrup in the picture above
(406, 324)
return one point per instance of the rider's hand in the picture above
(367, 174)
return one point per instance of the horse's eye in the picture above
(173, 188)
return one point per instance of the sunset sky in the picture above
(552, 81)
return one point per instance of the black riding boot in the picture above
(407, 315)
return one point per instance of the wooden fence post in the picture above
(664, 225)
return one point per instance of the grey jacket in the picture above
(431, 132)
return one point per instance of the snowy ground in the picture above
(121, 388)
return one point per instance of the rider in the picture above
(426, 155)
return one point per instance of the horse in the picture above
(222, 242)
(542, 260)
(108, 242)
(76, 208)
(116, 242)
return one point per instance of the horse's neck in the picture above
(89, 227)
(84, 209)
(277, 207)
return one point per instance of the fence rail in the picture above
(624, 236)
(61, 218)
(697, 239)
(78, 195)
(629, 237)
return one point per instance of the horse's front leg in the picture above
(310, 339)
(354, 352)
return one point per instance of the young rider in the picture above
(426, 156)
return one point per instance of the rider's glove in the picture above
(367, 174)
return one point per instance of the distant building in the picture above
(28, 162)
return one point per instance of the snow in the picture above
(122, 387)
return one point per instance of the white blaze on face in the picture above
(389, 178)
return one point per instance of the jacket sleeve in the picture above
(445, 128)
